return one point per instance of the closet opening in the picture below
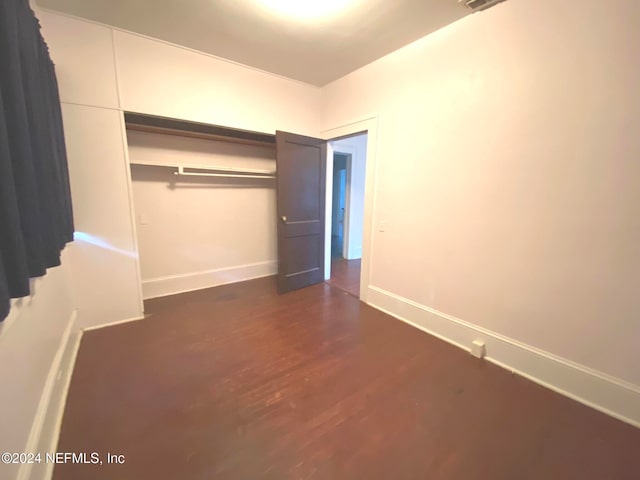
(204, 199)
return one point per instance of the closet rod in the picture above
(238, 173)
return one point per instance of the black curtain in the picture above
(36, 218)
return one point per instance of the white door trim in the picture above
(370, 126)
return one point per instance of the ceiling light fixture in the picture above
(306, 9)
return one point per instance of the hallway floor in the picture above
(240, 383)
(345, 274)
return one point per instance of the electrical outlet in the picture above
(382, 226)
(478, 349)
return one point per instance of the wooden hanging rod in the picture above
(185, 128)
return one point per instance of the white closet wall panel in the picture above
(83, 54)
(103, 256)
(165, 80)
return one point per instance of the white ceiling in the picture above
(315, 51)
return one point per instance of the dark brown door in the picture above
(301, 164)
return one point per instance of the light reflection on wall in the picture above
(101, 243)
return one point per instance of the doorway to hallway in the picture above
(338, 212)
(345, 210)
(345, 274)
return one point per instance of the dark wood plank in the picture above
(237, 382)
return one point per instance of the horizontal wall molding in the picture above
(607, 394)
(47, 422)
(160, 287)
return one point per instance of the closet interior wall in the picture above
(196, 232)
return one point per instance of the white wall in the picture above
(509, 183)
(198, 232)
(30, 338)
(357, 147)
(102, 72)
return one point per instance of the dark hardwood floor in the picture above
(345, 274)
(239, 383)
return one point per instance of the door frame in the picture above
(368, 125)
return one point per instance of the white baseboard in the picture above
(160, 287)
(610, 395)
(45, 429)
(111, 324)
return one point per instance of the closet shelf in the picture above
(184, 128)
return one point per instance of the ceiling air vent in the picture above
(477, 5)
